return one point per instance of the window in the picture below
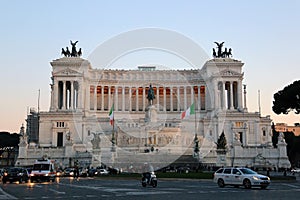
(241, 137)
(227, 171)
(238, 124)
(60, 124)
(235, 171)
(59, 139)
(264, 133)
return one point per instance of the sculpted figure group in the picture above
(73, 53)
(221, 54)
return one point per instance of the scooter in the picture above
(149, 178)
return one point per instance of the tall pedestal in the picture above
(69, 149)
(151, 114)
(96, 158)
(283, 158)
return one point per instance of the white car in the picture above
(295, 170)
(101, 172)
(240, 177)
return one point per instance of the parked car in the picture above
(100, 172)
(83, 172)
(60, 173)
(69, 172)
(15, 174)
(91, 172)
(295, 170)
(240, 177)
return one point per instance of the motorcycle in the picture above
(149, 179)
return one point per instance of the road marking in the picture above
(6, 195)
(290, 185)
(57, 192)
(147, 193)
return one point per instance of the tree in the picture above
(287, 99)
(8, 144)
(221, 143)
(9, 140)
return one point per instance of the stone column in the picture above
(144, 97)
(72, 95)
(88, 98)
(171, 98)
(116, 98)
(178, 98)
(239, 94)
(224, 96)
(52, 97)
(109, 97)
(165, 99)
(231, 95)
(130, 95)
(184, 92)
(64, 93)
(80, 96)
(157, 97)
(102, 97)
(137, 98)
(123, 98)
(95, 98)
(55, 95)
(216, 95)
(199, 98)
(192, 95)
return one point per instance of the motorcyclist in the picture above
(147, 170)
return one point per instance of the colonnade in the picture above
(66, 95)
(134, 98)
(229, 94)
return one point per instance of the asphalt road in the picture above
(90, 188)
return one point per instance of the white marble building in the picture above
(77, 123)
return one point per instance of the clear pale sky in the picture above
(263, 34)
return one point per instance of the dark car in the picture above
(91, 172)
(69, 172)
(15, 174)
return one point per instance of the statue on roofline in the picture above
(73, 53)
(221, 54)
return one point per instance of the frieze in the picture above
(67, 71)
(229, 73)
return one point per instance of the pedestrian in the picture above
(76, 169)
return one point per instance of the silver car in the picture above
(240, 177)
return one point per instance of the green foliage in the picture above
(222, 143)
(287, 99)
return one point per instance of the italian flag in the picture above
(188, 112)
(111, 115)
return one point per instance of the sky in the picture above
(263, 34)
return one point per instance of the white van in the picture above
(43, 169)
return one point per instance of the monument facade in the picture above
(147, 104)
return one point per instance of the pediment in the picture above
(67, 72)
(229, 73)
